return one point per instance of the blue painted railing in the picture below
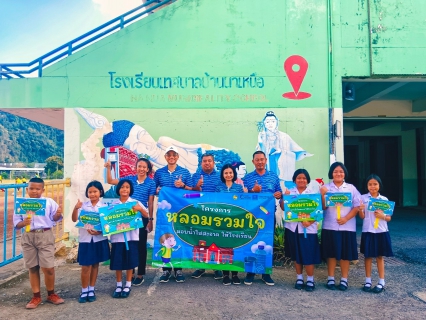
(8, 237)
(18, 70)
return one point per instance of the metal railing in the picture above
(9, 251)
(18, 70)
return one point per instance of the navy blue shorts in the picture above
(376, 245)
(122, 259)
(340, 245)
(93, 252)
(305, 251)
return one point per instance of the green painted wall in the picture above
(190, 39)
(217, 67)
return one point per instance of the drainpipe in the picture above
(330, 79)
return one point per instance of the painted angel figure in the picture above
(280, 149)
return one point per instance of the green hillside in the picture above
(23, 140)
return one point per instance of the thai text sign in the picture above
(118, 218)
(386, 206)
(341, 199)
(89, 220)
(304, 207)
(29, 205)
(221, 231)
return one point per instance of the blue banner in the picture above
(220, 231)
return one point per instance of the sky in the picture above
(31, 28)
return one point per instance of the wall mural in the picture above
(123, 141)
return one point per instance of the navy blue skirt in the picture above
(305, 251)
(340, 245)
(93, 252)
(122, 259)
(375, 245)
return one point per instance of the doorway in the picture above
(380, 155)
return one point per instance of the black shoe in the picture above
(366, 287)
(343, 286)
(83, 297)
(267, 279)
(330, 285)
(236, 280)
(165, 276)
(137, 281)
(116, 294)
(179, 277)
(299, 284)
(248, 280)
(198, 273)
(91, 298)
(311, 287)
(218, 275)
(378, 289)
(226, 281)
(125, 294)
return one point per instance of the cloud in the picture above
(266, 247)
(164, 205)
(114, 8)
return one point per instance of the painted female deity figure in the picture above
(281, 150)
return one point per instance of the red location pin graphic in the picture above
(296, 67)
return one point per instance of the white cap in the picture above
(171, 148)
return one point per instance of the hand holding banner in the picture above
(30, 207)
(338, 199)
(386, 207)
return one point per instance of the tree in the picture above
(53, 163)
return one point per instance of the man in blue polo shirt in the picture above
(261, 180)
(175, 176)
(206, 180)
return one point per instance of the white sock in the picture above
(84, 292)
(309, 278)
(368, 282)
(300, 277)
(119, 285)
(343, 279)
(128, 284)
(92, 289)
(330, 279)
(382, 282)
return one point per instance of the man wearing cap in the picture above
(262, 180)
(175, 176)
(206, 180)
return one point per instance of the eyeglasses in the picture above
(171, 155)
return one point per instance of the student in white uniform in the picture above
(304, 251)
(93, 247)
(338, 236)
(375, 243)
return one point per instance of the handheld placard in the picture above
(125, 241)
(28, 227)
(385, 206)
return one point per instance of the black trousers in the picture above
(143, 237)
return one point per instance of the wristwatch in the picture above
(184, 185)
(150, 219)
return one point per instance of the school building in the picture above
(342, 79)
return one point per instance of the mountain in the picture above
(23, 140)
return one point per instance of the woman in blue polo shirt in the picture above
(144, 191)
(228, 175)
